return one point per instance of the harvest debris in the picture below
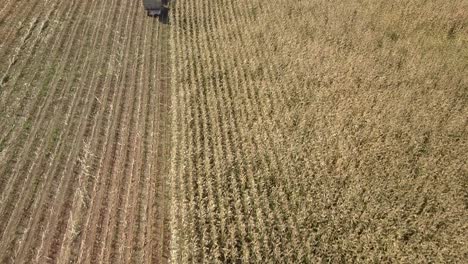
(84, 128)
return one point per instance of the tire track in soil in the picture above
(162, 232)
(135, 243)
(164, 135)
(136, 246)
(148, 135)
(153, 153)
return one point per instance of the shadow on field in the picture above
(164, 16)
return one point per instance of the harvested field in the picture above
(84, 132)
(316, 131)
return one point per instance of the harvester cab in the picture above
(154, 7)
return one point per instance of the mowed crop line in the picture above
(10, 102)
(111, 109)
(36, 128)
(34, 105)
(149, 135)
(95, 142)
(134, 195)
(138, 243)
(78, 138)
(128, 254)
(26, 150)
(87, 191)
(15, 137)
(111, 221)
(14, 18)
(59, 211)
(154, 172)
(166, 149)
(11, 6)
(73, 98)
(37, 200)
(15, 99)
(98, 120)
(29, 103)
(29, 19)
(114, 233)
(101, 188)
(134, 192)
(134, 159)
(162, 151)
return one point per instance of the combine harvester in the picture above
(154, 7)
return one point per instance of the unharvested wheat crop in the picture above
(312, 130)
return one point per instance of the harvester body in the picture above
(153, 7)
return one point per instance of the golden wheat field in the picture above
(319, 131)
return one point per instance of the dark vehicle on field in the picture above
(153, 7)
